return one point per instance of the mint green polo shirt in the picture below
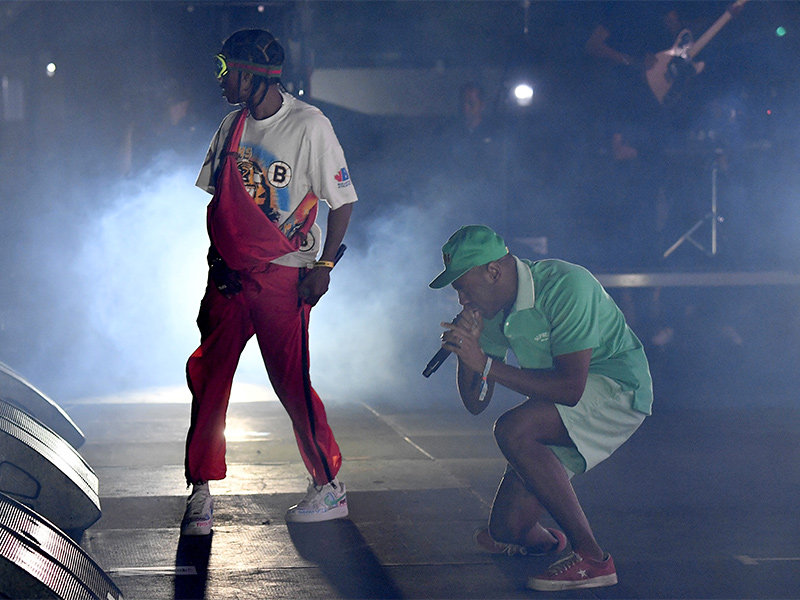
(561, 308)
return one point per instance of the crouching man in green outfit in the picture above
(587, 383)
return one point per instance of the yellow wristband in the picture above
(324, 263)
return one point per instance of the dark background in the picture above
(102, 239)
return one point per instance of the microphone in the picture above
(437, 359)
(436, 362)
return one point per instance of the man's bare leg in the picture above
(515, 516)
(523, 434)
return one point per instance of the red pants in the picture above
(269, 307)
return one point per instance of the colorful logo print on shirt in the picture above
(269, 188)
(279, 174)
(343, 177)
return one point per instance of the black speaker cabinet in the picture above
(39, 561)
(14, 389)
(41, 470)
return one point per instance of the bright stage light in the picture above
(51, 69)
(522, 94)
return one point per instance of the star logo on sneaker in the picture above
(582, 573)
(331, 501)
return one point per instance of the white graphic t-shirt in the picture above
(288, 162)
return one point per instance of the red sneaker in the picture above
(573, 571)
(488, 544)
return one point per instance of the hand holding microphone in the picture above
(463, 333)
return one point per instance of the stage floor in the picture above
(700, 503)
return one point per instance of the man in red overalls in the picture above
(268, 166)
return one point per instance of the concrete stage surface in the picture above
(700, 503)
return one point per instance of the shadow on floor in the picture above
(344, 557)
(193, 553)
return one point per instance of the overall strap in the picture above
(235, 134)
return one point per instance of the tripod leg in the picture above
(687, 236)
(713, 216)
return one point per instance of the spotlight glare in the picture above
(51, 69)
(523, 94)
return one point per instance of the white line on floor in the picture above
(165, 570)
(749, 560)
(400, 433)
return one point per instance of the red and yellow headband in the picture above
(223, 65)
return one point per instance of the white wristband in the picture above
(484, 379)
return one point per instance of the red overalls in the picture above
(269, 307)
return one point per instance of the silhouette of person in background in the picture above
(474, 142)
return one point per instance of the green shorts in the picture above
(598, 425)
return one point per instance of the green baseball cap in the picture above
(470, 246)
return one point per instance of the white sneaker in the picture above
(321, 503)
(199, 515)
